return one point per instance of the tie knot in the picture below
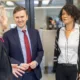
(24, 31)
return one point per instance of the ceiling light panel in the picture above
(10, 3)
(45, 2)
(36, 2)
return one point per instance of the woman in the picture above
(3, 20)
(4, 28)
(5, 66)
(67, 51)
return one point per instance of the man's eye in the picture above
(22, 16)
(17, 17)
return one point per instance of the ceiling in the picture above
(12, 3)
(50, 2)
(37, 3)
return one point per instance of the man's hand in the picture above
(33, 64)
(14, 65)
(24, 66)
(16, 70)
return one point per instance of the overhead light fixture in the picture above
(36, 2)
(50, 7)
(10, 3)
(45, 2)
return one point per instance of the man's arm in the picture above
(17, 70)
(6, 44)
(40, 51)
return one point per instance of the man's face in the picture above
(21, 18)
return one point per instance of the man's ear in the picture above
(27, 17)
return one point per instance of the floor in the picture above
(48, 77)
(47, 71)
(47, 74)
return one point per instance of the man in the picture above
(24, 47)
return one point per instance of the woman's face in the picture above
(3, 18)
(66, 18)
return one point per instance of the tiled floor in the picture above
(48, 77)
(48, 70)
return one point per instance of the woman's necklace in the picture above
(69, 29)
(67, 32)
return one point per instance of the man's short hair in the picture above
(19, 8)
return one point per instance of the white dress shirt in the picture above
(69, 47)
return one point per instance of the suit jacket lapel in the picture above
(16, 37)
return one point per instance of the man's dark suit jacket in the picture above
(5, 65)
(13, 45)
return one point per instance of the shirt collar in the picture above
(19, 29)
(75, 27)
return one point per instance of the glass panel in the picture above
(47, 9)
(77, 3)
(9, 6)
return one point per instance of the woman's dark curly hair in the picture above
(71, 10)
